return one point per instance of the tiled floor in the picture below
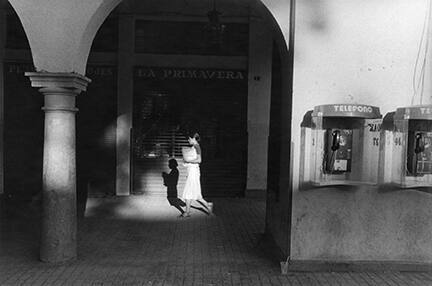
(141, 241)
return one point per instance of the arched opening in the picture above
(236, 89)
(172, 76)
(22, 132)
(204, 87)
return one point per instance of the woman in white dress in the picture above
(192, 189)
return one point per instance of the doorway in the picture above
(170, 101)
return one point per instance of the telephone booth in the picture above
(340, 145)
(406, 155)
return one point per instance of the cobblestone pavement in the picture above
(140, 241)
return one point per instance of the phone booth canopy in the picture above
(340, 145)
(406, 156)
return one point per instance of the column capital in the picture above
(59, 89)
(47, 81)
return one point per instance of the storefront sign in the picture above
(353, 108)
(100, 71)
(414, 112)
(347, 110)
(18, 68)
(92, 71)
(192, 74)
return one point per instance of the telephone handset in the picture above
(419, 153)
(336, 140)
(419, 143)
(337, 157)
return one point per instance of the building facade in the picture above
(318, 53)
(155, 70)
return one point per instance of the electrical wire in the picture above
(419, 79)
(428, 31)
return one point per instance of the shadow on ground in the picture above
(140, 230)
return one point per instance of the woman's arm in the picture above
(197, 160)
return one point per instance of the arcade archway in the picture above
(276, 124)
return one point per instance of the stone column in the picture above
(125, 103)
(59, 217)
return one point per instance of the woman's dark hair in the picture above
(194, 135)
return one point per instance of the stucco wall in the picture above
(349, 51)
(259, 92)
(60, 33)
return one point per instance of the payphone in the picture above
(339, 144)
(338, 151)
(406, 155)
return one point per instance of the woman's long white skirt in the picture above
(192, 189)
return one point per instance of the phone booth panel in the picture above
(371, 149)
(340, 145)
(306, 144)
(387, 160)
(406, 154)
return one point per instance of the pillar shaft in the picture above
(124, 104)
(59, 218)
(259, 98)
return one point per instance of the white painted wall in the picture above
(349, 51)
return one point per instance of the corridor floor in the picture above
(140, 240)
